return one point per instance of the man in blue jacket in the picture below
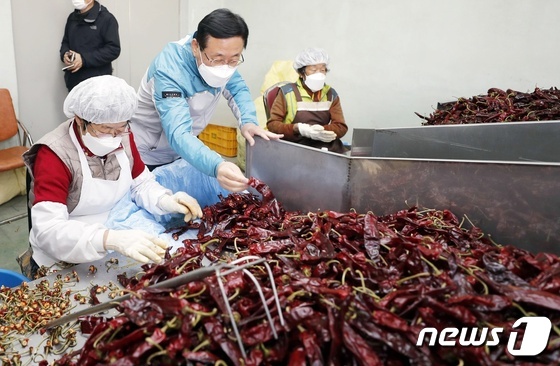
(180, 92)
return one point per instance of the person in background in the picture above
(90, 42)
(81, 170)
(309, 111)
(180, 91)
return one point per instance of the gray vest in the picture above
(60, 143)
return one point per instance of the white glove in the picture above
(136, 244)
(182, 203)
(326, 136)
(316, 132)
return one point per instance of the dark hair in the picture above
(301, 70)
(221, 23)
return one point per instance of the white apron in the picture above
(99, 196)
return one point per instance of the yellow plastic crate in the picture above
(221, 139)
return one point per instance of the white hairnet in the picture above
(101, 99)
(311, 56)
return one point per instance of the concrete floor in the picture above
(13, 235)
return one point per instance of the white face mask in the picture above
(101, 146)
(215, 76)
(315, 81)
(80, 4)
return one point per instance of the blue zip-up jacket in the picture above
(175, 105)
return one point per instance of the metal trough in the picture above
(508, 189)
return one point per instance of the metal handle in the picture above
(191, 276)
(195, 275)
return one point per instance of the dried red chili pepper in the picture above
(204, 357)
(93, 300)
(499, 106)
(215, 331)
(364, 355)
(88, 323)
(297, 357)
(356, 289)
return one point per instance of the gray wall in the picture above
(8, 78)
(389, 58)
(144, 29)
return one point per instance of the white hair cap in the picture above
(311, 56)
(101, 99)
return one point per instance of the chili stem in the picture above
(436, 270)
(154, 343)
(296, 293)
(336, 232)
(186, 295)
(235, 245)
(234, 295)
(416, 275)
(290, 255)
(201, 345)
(344, 275)
(330, 303)
(368, 292)
(201, 313)
(523, 311)
(203, 246)
(188, 261)
(156, 354)
(100, 336)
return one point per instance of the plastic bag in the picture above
(177, 176)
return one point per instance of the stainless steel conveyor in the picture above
(504, 177)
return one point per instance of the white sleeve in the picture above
(64, 239)
(146, 192)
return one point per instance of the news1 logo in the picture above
(535, 337)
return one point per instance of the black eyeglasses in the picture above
(218, 62)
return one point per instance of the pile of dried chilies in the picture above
(499, 106)
(356, 289)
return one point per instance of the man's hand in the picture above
(69, 58)
(231, 178)
(78, 63)
(248, 130)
